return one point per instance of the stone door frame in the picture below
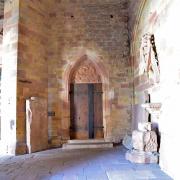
(65, 98)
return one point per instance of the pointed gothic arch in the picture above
(68, 77)
(85, 73)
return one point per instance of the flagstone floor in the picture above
(87, 164)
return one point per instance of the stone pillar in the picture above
(9, 76)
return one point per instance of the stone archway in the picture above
(86, 112)
(70, 75)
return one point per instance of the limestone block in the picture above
(135, 156)
(138, 140)
(144, 141)
(150, 141)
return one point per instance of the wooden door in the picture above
(79, 111)
(86, 111)
(98, 111)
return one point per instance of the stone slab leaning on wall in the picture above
(36, 124)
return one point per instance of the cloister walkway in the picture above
(87, 164)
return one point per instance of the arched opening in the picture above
(86, 113)
(88, 75)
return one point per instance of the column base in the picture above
(135, 156)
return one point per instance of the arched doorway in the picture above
(86, 107)
(74, 64)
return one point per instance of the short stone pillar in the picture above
(145, 145)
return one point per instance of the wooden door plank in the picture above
(79, 109)
(98, 111)
(91, 110)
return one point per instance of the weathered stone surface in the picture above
(88, 30)
(32, 75)
(144, 141)
(150, 141)
(136, 156)
(8, 82)
(86, 72)
(48, 37)
(52, 37)
(88, 164)
(36, 124)
(138, 140)
(87, 144)
(155, 17)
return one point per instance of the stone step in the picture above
(86, 144)
(86, 141)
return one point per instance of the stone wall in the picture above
(97, 29)
(9, 64)
(158, 18)
(32, 74)
(1, 39)
(49, 39)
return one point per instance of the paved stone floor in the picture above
(96, 164)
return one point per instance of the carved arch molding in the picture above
(85, 73)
